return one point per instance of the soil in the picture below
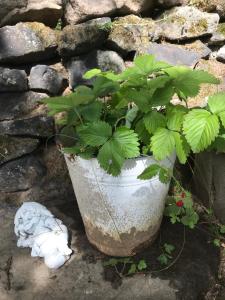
(84, 276)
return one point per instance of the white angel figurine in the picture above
(37, 228)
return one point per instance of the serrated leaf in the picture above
(92, 73)
(190, 220)
(153, 120)
(103, 86)
(142, 132)
(142, 265)
(222, 118)
(162, 143)
(131, 115)
(175, 116)
(188, 81)
(140, 98)
(127, 140)
(164, 175)
(158, 82)
(163, 96)
(150, 172)
(95, 134)
(68, 136)
(219, 144)
(148, 64)
(216, 103)
(91, 112)
(110, 157)
(200, 128)
(180, 148)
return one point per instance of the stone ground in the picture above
(84, 277)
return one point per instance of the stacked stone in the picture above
(38, 59)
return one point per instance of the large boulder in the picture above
(187, 55)
(36, 126)
(16, 105)
(27, 43)
(186, 22)
(77, 11)
(210, 6)
(45, 79)
(128, 33)
(171, 3)
(78, 39)
(104, 60)
(44, 11)
(14, 147)
(13, 80)
(20, 174)
(218, 37)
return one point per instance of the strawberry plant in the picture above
(127, 115)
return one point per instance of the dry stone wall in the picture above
(46, 47)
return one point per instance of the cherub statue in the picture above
(38, 229)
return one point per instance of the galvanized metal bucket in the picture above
(122, 215)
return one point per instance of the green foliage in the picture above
(166, 255)
(154, 170)
(125, 115)
(180, 208)
(126, 266)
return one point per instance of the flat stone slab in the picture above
(85, 278)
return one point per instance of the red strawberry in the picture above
(180, 203)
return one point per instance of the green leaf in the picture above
(110, 157)
(68, 136)
(200, 128)
(190, 219)
(111, 262)
(142, 265)
(141, 98)
(163, 96)
(169, 248)
(142, 132)
(175, 115)
(95, 134)
(188, 81)
(132, 269)
(162, 143)
(216, 103)
(164, 175)
(154, 170)
(103, 87)
(182, 148)
(150, 172)
(153, 120)
(163, 259)
(92, 73)
(91, 112)
(158, 82)
(219, 144)
(222, 118)
(216, 242)
(147, 64)
(127, 140)
(222, 229)
(131, 115)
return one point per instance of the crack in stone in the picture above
(7, 270)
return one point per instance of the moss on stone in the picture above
(221, 28)
(199, 27)
(48, 37)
